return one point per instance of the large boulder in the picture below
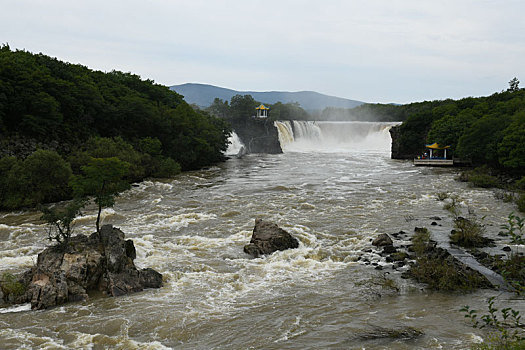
(102, 262)
(267, 238)
(382, 240)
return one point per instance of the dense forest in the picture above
(485, 130)
(57, 117)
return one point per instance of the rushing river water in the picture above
(192, 229)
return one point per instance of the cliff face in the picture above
(406, 149)
(258, 135)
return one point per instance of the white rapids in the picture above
(335, 188)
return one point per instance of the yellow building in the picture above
(262, 111)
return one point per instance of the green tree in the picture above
(103, 178)
(104, 147)
(242, 106)
(47, 176)
(40, 178)
(479, 143)
(514, 85)
(60, 220)
(447, 130)
(219, 108)
(511, 149)
(151, 146)
(288, 111)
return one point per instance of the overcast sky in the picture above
(369, 50)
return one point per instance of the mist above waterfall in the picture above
(323, 136)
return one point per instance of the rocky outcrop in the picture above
(101, 262)
(258, 135)
(401, 150)
(23, 146)
(267, 238)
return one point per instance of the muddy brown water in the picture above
(192, 229)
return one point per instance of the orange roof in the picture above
(436, 146)
(262, 107)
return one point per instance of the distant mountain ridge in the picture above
(203, 95)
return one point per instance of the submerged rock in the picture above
(102, 262)
(391, 333)
(267, 238)
(389, 249)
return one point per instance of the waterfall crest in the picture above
(321, 136)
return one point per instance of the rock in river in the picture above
(382, 240)
(102, 262)
(267, 238)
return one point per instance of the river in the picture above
(333, 192)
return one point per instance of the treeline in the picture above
(372, 112)
(243, 106)
(485, 130)
(56, 117)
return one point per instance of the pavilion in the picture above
(433, 157)
(262, 111)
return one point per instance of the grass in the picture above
(520, 202)
(439, 270)
(468, 233)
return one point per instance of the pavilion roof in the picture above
(435, 145)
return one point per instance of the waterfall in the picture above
(321, 136)
(285, 132)
(235, 145)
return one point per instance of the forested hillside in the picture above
(486, 130)
(73, 114)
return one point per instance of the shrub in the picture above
(521, 203)
(442, 274)
(420, 240)
(513, 270)
(167, 167)
(48, 176)
(468, 233)
(151, 146)
(515, 228)
(484, 180)
(438, 269)
(480, 177)
(520, 184)
(10, 286)
(40, 178)
(60, 220)
(506, 326)
(103, 147)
